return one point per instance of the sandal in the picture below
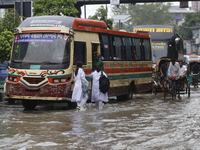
(78, 107)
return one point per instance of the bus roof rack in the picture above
(81, 24)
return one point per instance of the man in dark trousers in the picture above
(195, 70)
(163, 71)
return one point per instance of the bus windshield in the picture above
(41, 49)
(159, 50)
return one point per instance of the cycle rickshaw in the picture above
(157, 85)
(175, 87)
(192, 77)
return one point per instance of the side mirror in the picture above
(69, 40)
(177, 40)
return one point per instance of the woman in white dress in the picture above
(78, 95)
(97, 96)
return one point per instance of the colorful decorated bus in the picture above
(46, 49)
(166, 42)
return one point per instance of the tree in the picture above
(55, 7)
(191, 20)
(10, 21)
(146, 14)
(102, 15)
(6, 39)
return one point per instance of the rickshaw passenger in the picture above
(182, 72)
(163, 71)
(195, 70)
(173, 69)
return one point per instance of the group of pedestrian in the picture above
(79, 95)
(179, 71)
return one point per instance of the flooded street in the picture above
(146, 122)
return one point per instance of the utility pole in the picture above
(22, 10)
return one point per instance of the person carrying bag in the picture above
(98, 96)
(81, 87)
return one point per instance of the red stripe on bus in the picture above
(122, 70)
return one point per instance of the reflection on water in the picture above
(146, 123)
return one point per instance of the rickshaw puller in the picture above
(183, 72)
(195, 69)
(163, 71)
(174, 69)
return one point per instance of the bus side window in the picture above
(118, 45)
(128, 48)
(80, 52)
(111, 47)
(137, 47)
(133, 53)
(142, 49)
(105, 50)
(114, 48)
(123, 50)
(147, 48)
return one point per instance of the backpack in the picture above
(104, 83)
(85, 86)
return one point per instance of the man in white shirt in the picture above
(174, 69)
(182, 72)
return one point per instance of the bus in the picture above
(3, 73)
(46, 49)
(188, 58)
(166, 42)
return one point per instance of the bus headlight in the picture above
(63, 80)
(13, 79)
(10, 78)
(55, 80)
(59, 80)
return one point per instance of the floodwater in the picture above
(145, 123)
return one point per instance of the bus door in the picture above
(95, 50)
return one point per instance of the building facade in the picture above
(179, 14)
(195, 6)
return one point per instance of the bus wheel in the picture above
(130, 93)
(11, 101)
(72, 105)
(127, 96)
(29, 105)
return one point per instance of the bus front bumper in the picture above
(46, 92)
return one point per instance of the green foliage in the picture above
(191, 20)
(54, 7)
(146, 14)
(102, 15)
(6, 39)
(10, 21)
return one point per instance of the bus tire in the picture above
(72, 105)
(130, 93)
(29, 105)
(11, 101)
(127, 96)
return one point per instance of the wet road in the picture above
(146, 122)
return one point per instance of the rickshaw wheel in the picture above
(173, 92)
(165, 93)
(188, 89)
